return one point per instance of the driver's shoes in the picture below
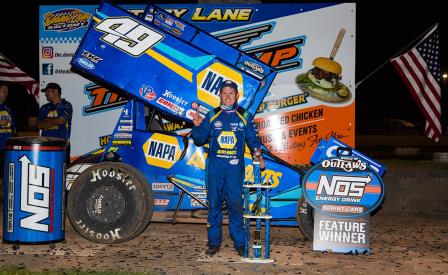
(240, 251)
(212, 250)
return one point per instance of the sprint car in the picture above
(114, 192)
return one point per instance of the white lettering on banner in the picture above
(342, 231)
(35, 194)
(128, 35)
(343, 186)
(347, 165)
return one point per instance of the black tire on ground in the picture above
(305, 218)
(110, 202)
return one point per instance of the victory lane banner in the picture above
(343, 190)
(295, 39)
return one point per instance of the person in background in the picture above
(55, 118)
(227, 129)
(6, 125)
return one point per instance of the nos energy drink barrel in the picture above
(34, 184)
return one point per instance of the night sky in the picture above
(383, 29)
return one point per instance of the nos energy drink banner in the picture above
(312, 46)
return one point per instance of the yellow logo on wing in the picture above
(161, 150)
(209, 80)
(227, 140)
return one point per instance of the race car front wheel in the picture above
(110, 202)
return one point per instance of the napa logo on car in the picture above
(162, 150)
(343, 186)
(66, 20)
(209, 80)
(85, 63)
(227, 140)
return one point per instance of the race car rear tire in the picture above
(109, 203)
(305, 218)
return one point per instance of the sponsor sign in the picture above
(343, 191)
(264, 31)
(343, 187)
(162, 186)
(341, 235)
(161, 202)
(328, 149)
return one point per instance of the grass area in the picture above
(21, 271)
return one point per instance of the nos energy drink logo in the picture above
(35, 195)
(343, 187)
(211, 78)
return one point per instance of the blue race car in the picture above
(144, 173)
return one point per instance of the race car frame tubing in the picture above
(257, 174)
(246, 222)
(267, 224)
(257, 248)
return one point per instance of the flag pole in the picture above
(398, 53)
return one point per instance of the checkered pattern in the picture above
(70, 39)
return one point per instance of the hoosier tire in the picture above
(109, 203)
(305, 218)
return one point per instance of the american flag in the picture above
(11, 73)
(420, 70)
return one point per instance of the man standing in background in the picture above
(6, 125)
(55, 117)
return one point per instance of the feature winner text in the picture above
(342, 231)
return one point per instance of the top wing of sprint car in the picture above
(163, 70)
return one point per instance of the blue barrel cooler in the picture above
(34, 190)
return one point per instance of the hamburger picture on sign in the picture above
(323, 81)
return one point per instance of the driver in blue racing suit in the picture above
(227, 129)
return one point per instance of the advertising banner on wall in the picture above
(312, 46)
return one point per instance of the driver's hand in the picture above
(197, 119)
(261, 160)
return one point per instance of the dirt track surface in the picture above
(400, 244)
